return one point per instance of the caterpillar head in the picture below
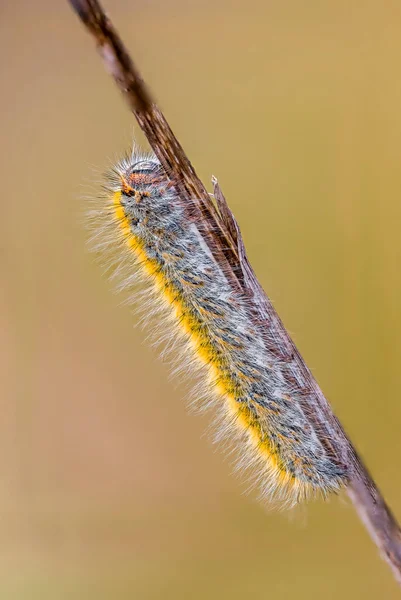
(146, 195)
(143, 179)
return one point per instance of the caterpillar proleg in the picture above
(156, 236)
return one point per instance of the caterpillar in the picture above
(155, 237)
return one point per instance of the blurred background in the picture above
(108, 487)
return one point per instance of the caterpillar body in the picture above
(158, 237)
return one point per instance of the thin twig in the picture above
(224, 239)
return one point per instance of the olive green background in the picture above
(108, 487)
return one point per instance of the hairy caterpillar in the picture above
(157, 237)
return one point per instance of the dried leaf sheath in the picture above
(365, 495)
(277, 340)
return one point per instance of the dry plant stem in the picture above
(223, 236)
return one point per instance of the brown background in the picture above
(108, 488)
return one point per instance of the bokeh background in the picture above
(108, 487)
